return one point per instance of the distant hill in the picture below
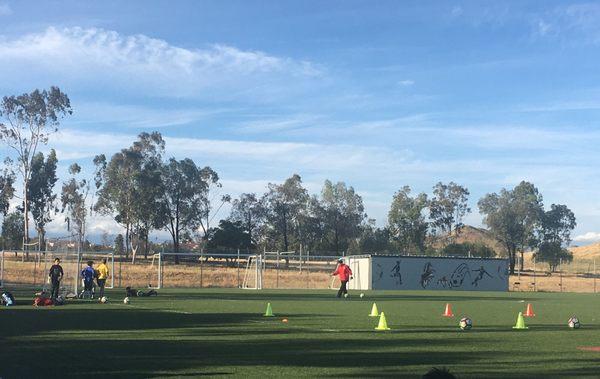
(586, 252)
(472, 234)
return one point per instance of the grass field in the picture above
(222, 332)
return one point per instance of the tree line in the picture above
(144, 192)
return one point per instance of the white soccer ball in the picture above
(465, 323)
(362, 295)
(345, 295)
(126, 300)
(103, 299)
(574, 323)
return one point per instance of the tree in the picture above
(149, 188)
(553, 253)
(374, 239)
(250, 212)
(184, 194)
(407, 223)
(13, 231)
(285, 204)
(554, 234)
(7, 189)
(512, 216)
(343, 214)
(213, 186)
(29, 120)
(448, 207)
(73, 200)
(123, 190)
(119, 247)
(41, 194)
(232, 235)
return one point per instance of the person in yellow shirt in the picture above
(102, 272)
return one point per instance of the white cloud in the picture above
(588, 237)
(5, 9)
(100, 59)
(137, 116)
(406, 83)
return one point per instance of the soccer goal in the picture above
(31, 268)
(253, 273)
(155, 272)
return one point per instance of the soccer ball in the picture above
(465, 323)
(126, 300)
(103, 299)
(362, 295)
(574, 323)
(345, 295)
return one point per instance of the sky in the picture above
(378, 94)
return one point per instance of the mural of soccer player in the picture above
(480, 274)
(378, 273)
(443, 281)
(458, 276)
(427, 275)
(397, 274)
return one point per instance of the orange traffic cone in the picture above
(448, 311)
(529, 311)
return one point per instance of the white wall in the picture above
(431, 273)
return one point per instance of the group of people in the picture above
(88, 274)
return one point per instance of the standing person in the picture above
(345, 274)
(56, 274)
(88, 274)
(102, 272)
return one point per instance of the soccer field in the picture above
(222, 332)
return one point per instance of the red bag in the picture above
(42, 301)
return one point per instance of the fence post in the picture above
(201, 270)
(277, 269)
(160, 268)
(594, 273)
(238, 267)
(300, 258)
(2, 270)
(112, 269)
(560, 271)
(308, 269)
(120, 264)
(534, 283)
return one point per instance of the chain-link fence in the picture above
(233, 269)
(581, 275)
(182, 270)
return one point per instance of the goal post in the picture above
(253, 273)
(156, 271)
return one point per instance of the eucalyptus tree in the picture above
(26, 122)
(407, 222)
(41, 193)
(513, 217)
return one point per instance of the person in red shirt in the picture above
(345, 274)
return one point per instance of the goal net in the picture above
(253, 273)
(31, 269)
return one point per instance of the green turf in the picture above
(221, 332)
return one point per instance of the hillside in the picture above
(472, 234)
(586, 252)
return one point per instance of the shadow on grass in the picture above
(212, 357)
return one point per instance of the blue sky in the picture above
(378, 94)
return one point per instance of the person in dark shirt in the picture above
(56, 274)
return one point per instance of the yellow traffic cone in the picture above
(374, 311)
(382, 323)
(269, 311)
(520, 322)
